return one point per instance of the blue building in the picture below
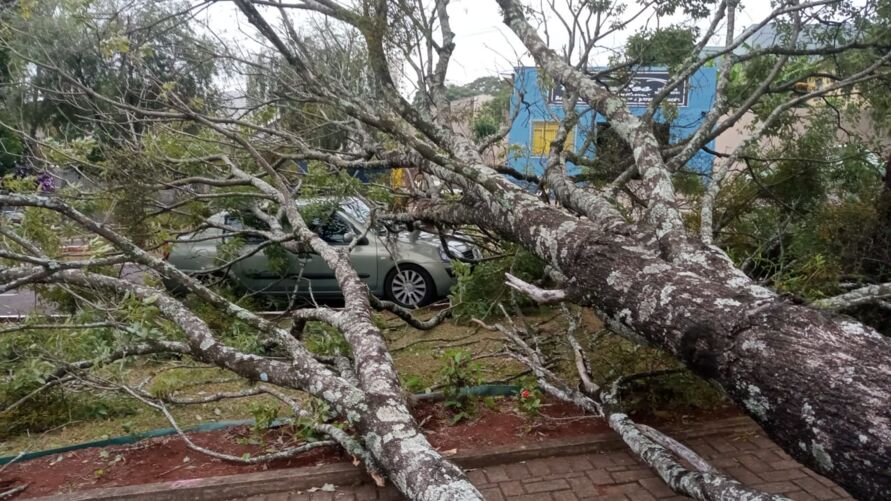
(541, 109)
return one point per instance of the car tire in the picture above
(410, 286)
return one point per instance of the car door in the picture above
(336, 231)
(254, 271)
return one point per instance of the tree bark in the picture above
(707, 485)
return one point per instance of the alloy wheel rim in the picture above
(409, 287)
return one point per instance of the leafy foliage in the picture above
(323, 339)
(264, 414)
(810, 217)
(529, 399)
(135, 57)
(235, 333)
(479, 287)
(668, 46)
(26, 364)
(612, 357)
(484, 126)
(459, 372)
(809, 212)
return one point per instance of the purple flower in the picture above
(46, 183)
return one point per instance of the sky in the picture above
(484, 45)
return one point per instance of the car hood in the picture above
(425, 238)
(431, 241)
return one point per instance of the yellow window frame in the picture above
(543, 134)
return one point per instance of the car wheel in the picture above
(410, 286)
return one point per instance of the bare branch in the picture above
(537, 294)
(705, 486)
(263, 458)
(406, 315)
(678, 448)
(869, 294)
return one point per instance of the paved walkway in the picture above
(615, 475)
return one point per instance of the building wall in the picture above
(536, 106)
(464, 110)
(860, 129)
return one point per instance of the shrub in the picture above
(458, 372)
(27, 359)
(529, 399)
(264, 414)
(484, 126)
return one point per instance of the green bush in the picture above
(484, 126)
(459, 371)
(27, 360)
(264, 414)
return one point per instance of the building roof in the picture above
(812, 36)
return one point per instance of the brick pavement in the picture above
(616, 475)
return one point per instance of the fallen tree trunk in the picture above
(387, 428)
(762, 351)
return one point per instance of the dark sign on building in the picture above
(642, 88)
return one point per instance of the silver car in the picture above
(411, 269)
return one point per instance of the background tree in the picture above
(133, 52)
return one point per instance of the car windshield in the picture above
(331, 229)
(356, 210)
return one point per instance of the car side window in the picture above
(234, 222)
(332, 229)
